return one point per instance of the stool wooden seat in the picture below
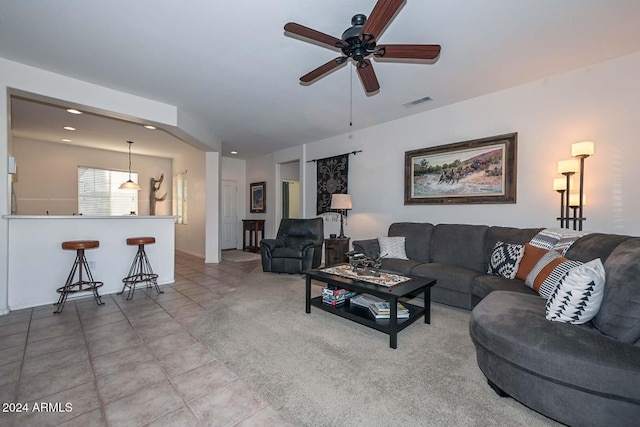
(81, 266)
(140, 270)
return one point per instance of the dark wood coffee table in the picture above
(361, 315)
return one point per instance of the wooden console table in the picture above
(253, 227)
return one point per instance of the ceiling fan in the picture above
(359, 43)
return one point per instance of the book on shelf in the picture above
(385, 308)
(365, 300)
(332, 302)
(337, 294)
(387, 315)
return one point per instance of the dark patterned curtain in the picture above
(333, 174)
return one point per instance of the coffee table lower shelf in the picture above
(362, 315)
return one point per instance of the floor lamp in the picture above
(582, 150)
(560, 185)
(341, 203)
(567, 168)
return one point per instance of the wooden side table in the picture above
(253, 227)
(335, 250)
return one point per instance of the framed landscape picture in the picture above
(257, 195)
(476, 171)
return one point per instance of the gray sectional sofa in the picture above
(576, 374)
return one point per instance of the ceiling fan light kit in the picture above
(358, 43)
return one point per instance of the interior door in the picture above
(229, 209)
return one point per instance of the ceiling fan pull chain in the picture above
(351, 100)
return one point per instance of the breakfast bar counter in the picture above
(38, 265)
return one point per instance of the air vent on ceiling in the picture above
(417, 102)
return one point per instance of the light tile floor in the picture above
(127, 363)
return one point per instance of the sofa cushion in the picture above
(619, 315)
(286, 252)
(417, 238)
(574, 355)
(485, 284)
(505, 259)
(578, 296)
(595, 245)
(460, 245)
(448, 276)
(392, 247)
(402, 266)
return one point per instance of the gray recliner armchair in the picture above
(296, 248)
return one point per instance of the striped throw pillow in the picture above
(548, 272)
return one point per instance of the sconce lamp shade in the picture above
(574, 200)
(559, 184)
(340, 201)
(568, 166)
(582, 149)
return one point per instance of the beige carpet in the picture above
(318, 369)
(235, 255)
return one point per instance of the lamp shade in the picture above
(559, 184)
(584, 148)
(129, 185)
(340, 201)
(568, 166)
(574, 199)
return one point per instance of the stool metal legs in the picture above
(81, 266)
(140, 271)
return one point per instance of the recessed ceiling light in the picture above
(73, 111)
(234, 152)
(66, 140)
(69, 128)
(150, 127)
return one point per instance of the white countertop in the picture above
(88, 217)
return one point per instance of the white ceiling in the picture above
(230, 65)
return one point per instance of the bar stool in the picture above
(140, 270)
(81, 266)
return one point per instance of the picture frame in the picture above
(257, 197)
(475, 171)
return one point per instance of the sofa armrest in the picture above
(369, 247)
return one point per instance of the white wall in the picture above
(47, 176)
(598, 103)
(190, 237)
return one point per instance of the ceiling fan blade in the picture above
(408, 51)
(368, 77)
(314, 35)
(323, 69)
(381, 15)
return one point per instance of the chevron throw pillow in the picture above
(392, 247)
(578, 297)
(505, 259)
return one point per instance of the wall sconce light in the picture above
(582, 150)
(341, 203)
(129, 185)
